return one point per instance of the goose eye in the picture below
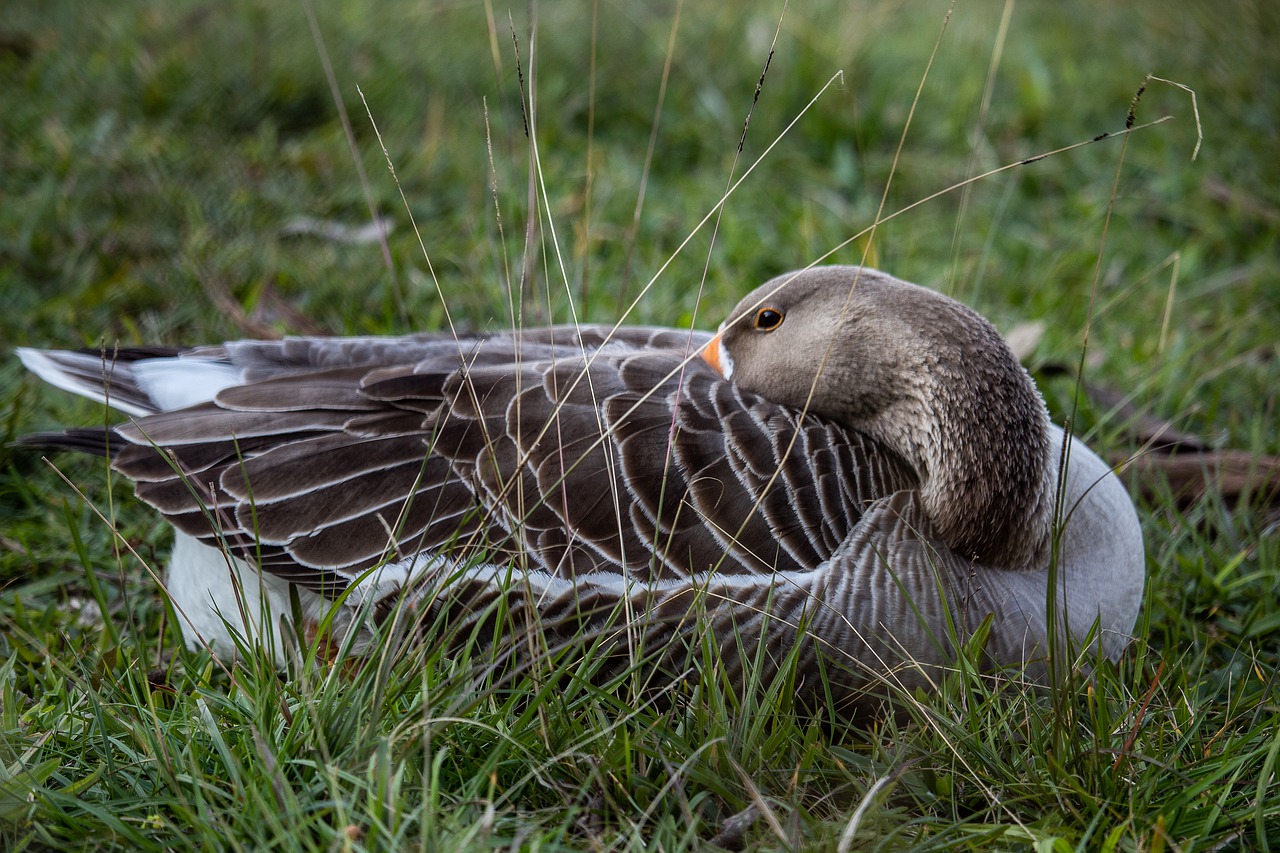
(768, 319)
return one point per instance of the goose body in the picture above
(856, 465)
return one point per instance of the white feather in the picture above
(170, 383)
(48, 369)
(175, 383)
(218, 597)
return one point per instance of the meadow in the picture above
(188, 172)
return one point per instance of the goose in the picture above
(853, 470)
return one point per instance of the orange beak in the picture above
(711, 354)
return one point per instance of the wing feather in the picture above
(589, 452)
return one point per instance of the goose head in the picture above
(925, 376)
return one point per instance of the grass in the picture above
(152, 153)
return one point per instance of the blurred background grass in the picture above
(153, 156)
(154, 150)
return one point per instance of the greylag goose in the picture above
(856, 471)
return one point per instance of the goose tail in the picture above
(136, 381)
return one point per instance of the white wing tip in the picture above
(37, 362)
(45, 364)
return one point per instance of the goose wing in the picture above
(568, 455)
